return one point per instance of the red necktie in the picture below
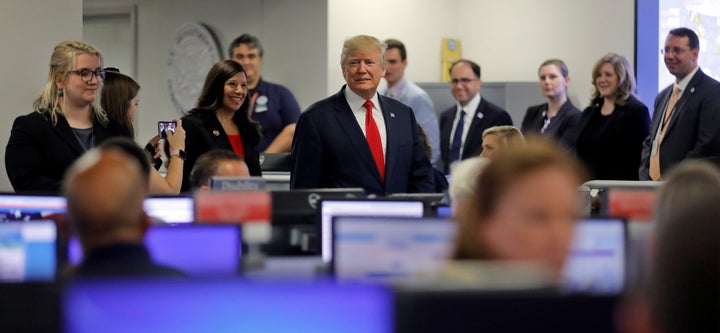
(373, 138)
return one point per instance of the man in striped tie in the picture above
(358, 138)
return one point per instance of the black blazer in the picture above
(562, 127)
(614, 154)
(38, 153)
(487, 115)
(203, 132)
(330, 151)
(694, 128)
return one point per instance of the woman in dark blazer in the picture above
(221, 120)
(67, 120)
(612, 129)
(558, 117)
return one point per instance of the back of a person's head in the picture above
(210, 164)
(685, 184)
(497, 177)
(685, 279)
(464, 173)
(105, 189)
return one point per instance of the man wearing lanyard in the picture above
(686, 117)
(272, 105)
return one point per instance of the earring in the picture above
(61, 94)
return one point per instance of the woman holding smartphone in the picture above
(66, 121)
(120, 100)
(221, 119)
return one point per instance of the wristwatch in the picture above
(180, 153)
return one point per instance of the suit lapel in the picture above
(391, 135)
(66, 134)
(686, 95)
(477, 120)
(347, 121)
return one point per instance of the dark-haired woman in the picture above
(220, 119)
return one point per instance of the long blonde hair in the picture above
(61, 63)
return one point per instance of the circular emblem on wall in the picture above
(451, 45)
(193, 51)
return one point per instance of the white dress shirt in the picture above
(356, 105)
(469, 109)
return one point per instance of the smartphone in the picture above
(164, 126)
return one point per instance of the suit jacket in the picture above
(203, 132)
(330, 151)
(123, 260)
(487, 115)
(38, 153)
(562, 127)
(693, 129)
(613, 152)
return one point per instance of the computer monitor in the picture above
(300, 207)
(222, 183)
(226, 305)
(28, 250)
(426, 309)
(387, 249)
(197, 250)
(355, 207)
(444, 211)
(598, 257)
(431, 200)
(170, 209)
(15, 207)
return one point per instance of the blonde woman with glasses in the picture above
(66, 121)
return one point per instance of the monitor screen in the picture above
(197, 250)
(15, 207)
(28, 251)
(232, 305)
(597, 261)
(171, 209)
(373, 208)
(301, 206)
(390, 248)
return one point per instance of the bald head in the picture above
(105, 190)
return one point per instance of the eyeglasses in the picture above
(86, 75)
(673, 51)
(463, 81)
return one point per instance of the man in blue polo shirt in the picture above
(272, 105)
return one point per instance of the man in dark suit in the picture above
(357, 138)
(472, 115)
(686, 118)
(105, 189)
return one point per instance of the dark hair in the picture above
(685, 269)
(213, 92)
(693, 40)
(207, 164)
(558, 63)
(129, 147)
(475, 67)
(117, 92)
(248, 39)
(424, 140)
(396, 44)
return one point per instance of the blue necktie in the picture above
(457, 139)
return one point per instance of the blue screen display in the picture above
(226, 306)
(28, 251)
(197, 250)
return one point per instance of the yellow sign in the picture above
(451, 52)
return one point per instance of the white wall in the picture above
(286, 60)
(508, 38)
(419, 24)
(29, 30)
